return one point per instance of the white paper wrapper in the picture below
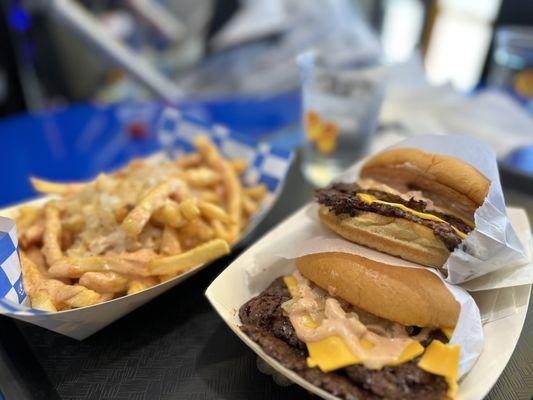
(494, 250)
(267, 165)
(311, 237)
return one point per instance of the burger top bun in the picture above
(450, 183)
(409, 296)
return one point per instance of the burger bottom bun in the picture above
(396, 236)
(409, 296)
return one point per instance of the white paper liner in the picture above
(494, 250)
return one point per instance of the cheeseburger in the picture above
(408, 203)
(358, 328)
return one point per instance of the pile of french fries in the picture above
(130, 230)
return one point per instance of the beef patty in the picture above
(264, 322)
(341, 198)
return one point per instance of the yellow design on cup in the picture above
(523, 83)
(323, 134)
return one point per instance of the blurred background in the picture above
(60, 52)
(82, 81)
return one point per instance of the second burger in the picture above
(358, 328)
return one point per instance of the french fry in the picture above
(106, 297)
(104, 282)
(27, 216)
(170, 242)
(155, 198)
(59, 293)
(83, 298)
(232, 186)
(211, 196)
(30, 226)
(67, 238)
(189, 209)
(134, 263)
(238, 165)
(150, 237)
(184, 262)
(43, 186)
(167, 277)
(121, 213)
(35, 254)
(73, 224)
(136, 286)
(170, 214)
(75, 267)
(248, 205)
(140, 284)
(41, 300)
(256, 192)
(28, 213)
(220, 231)
(32, 235)
(31, 276)
(201, 177)
(196, 232)
(213, 211)
(52, 234)
(188, 160)
(136, 163)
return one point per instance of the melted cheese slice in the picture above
(448, 332)
(369, 199)
(332, 353)
(290, 282)
(442, 359)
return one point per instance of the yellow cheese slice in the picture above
(413, 350)
(369, 199)
(448, 332)
(330, 354)
(290, 282)
(442, 359)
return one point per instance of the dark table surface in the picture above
(176, 347)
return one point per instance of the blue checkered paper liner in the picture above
(266, 164)
(12, 296)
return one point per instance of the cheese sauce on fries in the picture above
(127, 231)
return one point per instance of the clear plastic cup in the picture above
(340, 113)
(512, 63)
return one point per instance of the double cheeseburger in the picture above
(408, 203)
(359, 329)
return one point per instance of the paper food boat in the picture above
(505, 309)
(267, 165)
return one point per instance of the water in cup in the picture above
(340, 111)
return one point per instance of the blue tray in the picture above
(78, 142)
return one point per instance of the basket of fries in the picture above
(90, 252)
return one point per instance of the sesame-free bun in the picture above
(450, 183)
(396, 236)
(409, 296)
